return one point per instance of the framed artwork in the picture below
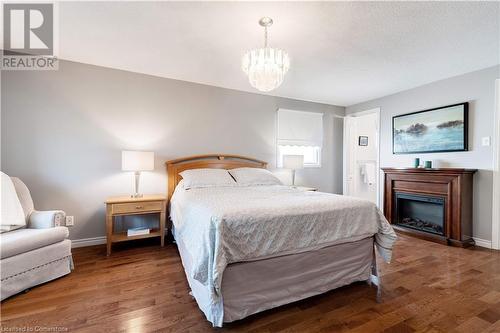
(442, 129)
(363, 141)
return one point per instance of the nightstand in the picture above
(305, 188)
(126, 205)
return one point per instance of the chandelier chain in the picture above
(265, 37)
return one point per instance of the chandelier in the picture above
(266, 67)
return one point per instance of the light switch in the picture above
(486, 141)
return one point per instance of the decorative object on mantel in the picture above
(138, 161)
(433, 204)
(428, 165)
(266, 67)
(363, 141)
(416, 162)
(442, 129)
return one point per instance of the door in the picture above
(361, 155)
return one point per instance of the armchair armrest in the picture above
(46, 219)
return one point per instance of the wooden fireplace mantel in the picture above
(454, 185)
(432, 171)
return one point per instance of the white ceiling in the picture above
(342, 52)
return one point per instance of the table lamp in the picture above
(293, 162)
(137, 161)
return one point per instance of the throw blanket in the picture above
(12, 213)
(224, 225)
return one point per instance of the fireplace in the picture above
(419, 212)
(433, 204)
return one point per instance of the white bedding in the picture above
(224, 225)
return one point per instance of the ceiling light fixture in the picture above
(266, 67)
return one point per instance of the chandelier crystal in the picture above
(266, 67)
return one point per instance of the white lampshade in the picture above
(293, 162)
(138, 160)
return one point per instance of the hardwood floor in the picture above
(141, 288)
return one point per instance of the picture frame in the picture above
(363, 141)
(436, 130)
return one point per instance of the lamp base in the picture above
(137, 179)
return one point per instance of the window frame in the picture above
(318, 149)
(317, 152)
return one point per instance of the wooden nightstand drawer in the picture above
(137, 207)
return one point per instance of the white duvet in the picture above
(224, 225)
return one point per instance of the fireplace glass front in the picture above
(424, 213)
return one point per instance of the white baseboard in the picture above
(102, 240)
(482, 242)
(88, 241)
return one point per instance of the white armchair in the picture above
(36, 254)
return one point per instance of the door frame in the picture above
(495, 203)
(344, 171)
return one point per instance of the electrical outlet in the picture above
(70, 220)
(486, 141)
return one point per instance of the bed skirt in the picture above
(255, 286)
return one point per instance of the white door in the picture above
(361, 155)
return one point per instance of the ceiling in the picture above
(341, 53)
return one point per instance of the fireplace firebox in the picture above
(423, 213)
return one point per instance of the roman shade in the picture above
(299, 128)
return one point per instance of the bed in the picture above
(246, 249)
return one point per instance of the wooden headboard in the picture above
(213, 161)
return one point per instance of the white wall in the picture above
(366, 125)
(356, 155)
(477, 88)
(63, 132)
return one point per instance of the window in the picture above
(312, 154)
(300, 133)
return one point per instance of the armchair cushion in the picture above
(24, 240)
(46, 219)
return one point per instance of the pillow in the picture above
(254, 176)
(198, 178)
(12, 212)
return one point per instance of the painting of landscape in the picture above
(437, 130)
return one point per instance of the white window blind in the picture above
(299, 133)
(299, 128)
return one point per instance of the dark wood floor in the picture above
(141, 288)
